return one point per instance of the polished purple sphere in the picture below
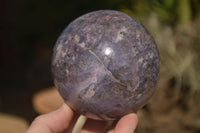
(105, 65)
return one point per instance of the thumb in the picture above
(127, 124)
(56, 121)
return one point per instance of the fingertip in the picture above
(66, 108)
(127, 124)
(132, 116)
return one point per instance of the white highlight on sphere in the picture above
(107, 51)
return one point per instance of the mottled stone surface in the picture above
(105, 65)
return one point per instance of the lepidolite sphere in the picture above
(105, 65)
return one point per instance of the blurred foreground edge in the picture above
(47, 100)
(12, 124)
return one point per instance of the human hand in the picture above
(64, 119)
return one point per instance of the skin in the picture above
(53, 123)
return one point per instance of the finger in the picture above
(127, 124)
(94, 126)
(56, 121)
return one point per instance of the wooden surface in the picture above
(47, 100)
(12, 124)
